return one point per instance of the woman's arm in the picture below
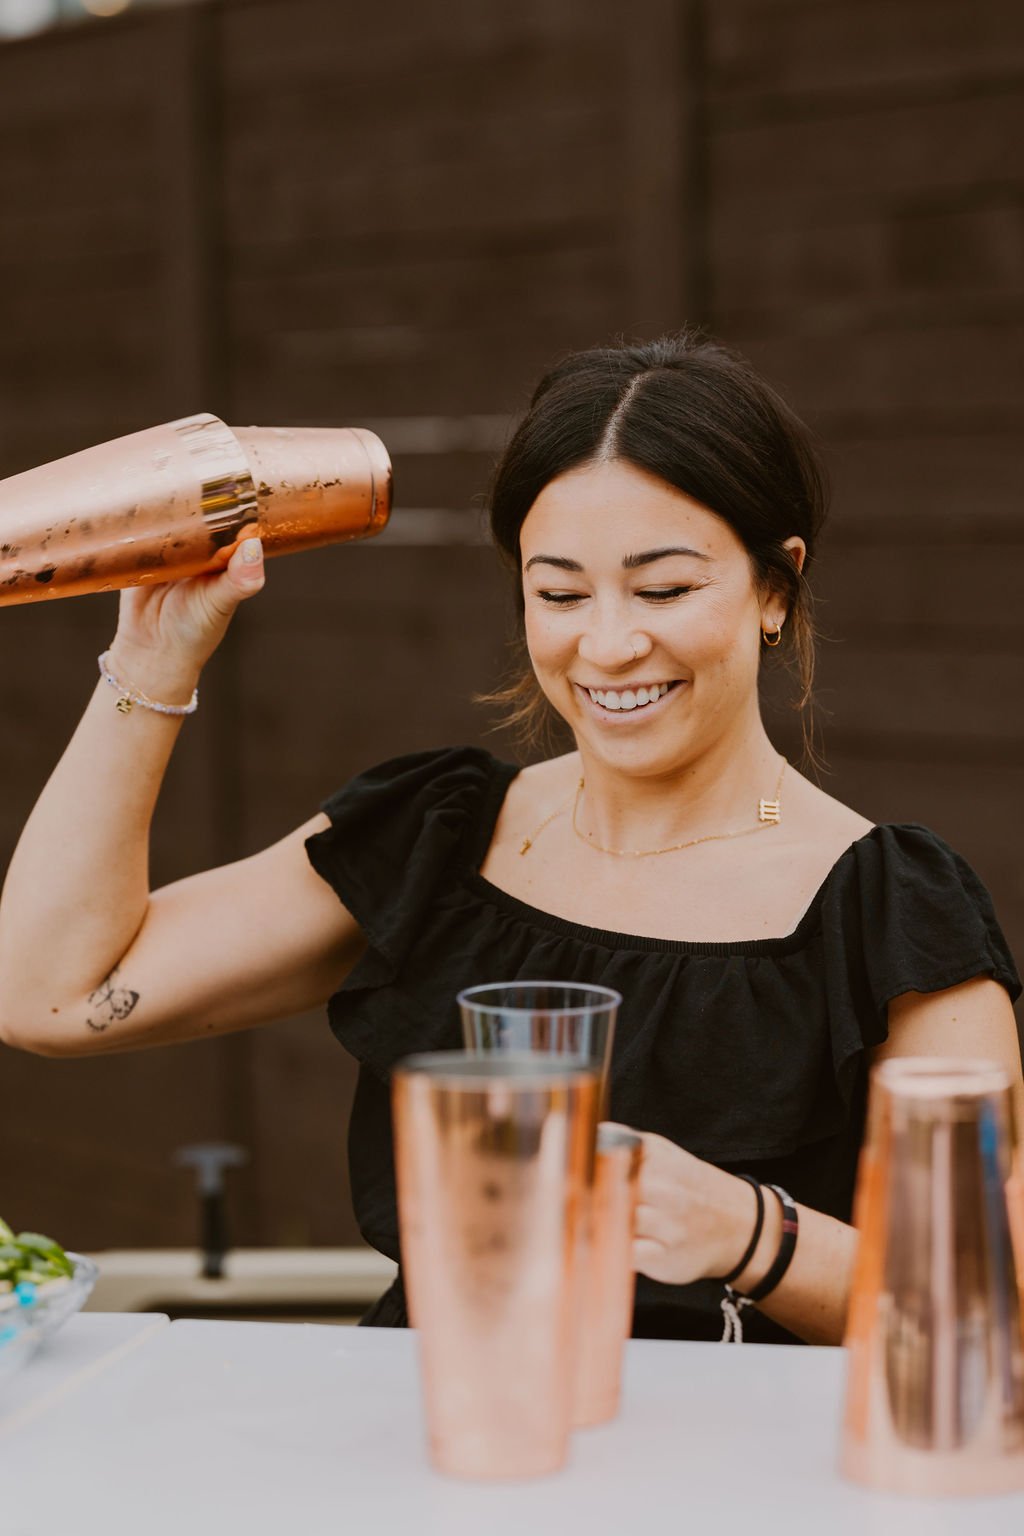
(694, 1221)
(89, 961)
(975, 1019)
(237, 946)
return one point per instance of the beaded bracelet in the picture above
(733, 1302)
(127, 697)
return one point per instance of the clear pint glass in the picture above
(493, 1157)
(557, 1018)
(605, 1314)
(573, 1020)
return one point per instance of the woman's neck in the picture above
(716, 792)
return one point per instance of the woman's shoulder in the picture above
(901, 884)
(915, 910)
(427, 808)
(820, 817)
(856, 845)
(417, 781)
(397, 833)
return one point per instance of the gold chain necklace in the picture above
(769, 814)
(528, 842)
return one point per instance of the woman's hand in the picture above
(693, 1220)
(167, 633)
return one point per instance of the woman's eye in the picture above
(560, 599)
(663, 594)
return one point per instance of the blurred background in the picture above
(313, 212)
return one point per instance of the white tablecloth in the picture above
(83, 1347)
(256, 1429)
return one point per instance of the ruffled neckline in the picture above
(501, 776)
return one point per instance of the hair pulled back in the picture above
(699, 417)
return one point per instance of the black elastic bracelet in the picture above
(748, 1253)
(787, 1246)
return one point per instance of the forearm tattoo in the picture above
(109, 1002)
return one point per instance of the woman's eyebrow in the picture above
(629, 562)
(560, 560)
(648, 556)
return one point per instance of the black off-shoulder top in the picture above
(751, 1054)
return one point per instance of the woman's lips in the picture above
(626, 711)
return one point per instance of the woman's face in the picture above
(642, 616)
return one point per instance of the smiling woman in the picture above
(694, 418)
(659, 508)
(678, 624)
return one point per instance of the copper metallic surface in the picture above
(172, 501)
(607, 1279)
(492, 1161)
(935, 1383)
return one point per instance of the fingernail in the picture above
(252, 551)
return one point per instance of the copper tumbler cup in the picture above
(173, 501)
(607, 1279)
(492, 1158)
(935, 1383)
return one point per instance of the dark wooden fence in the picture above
(294, 211)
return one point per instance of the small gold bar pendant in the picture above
(769, 810)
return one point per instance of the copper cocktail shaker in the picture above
(493, 1156)
(172, 501)
(935, 1386)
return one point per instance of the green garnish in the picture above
(31, 1256)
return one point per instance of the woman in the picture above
(660, 507)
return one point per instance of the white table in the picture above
(82, 1348)
(254, 1429)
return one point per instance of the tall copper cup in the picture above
(607, 1280)
(935, 1386)
(492, 1158)
(172, 501)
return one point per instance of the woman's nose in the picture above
(611, 646)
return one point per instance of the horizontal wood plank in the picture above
(843, 164)
(761, 49)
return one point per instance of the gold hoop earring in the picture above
(776, 638)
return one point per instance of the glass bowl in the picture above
(17, 1344)
(61, 1299)
(24, 1326)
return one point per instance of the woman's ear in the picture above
(797, 550)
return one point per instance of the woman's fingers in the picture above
(648, 1258)
(243, 577)
(248, 561)
(649, 1221)
(170, 631)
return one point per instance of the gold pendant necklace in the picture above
(769, 814)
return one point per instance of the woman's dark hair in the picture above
(697, 415)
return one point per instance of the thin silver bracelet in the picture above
(127, 697)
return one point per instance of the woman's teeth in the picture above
(628, 699)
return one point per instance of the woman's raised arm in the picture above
(89, 959)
